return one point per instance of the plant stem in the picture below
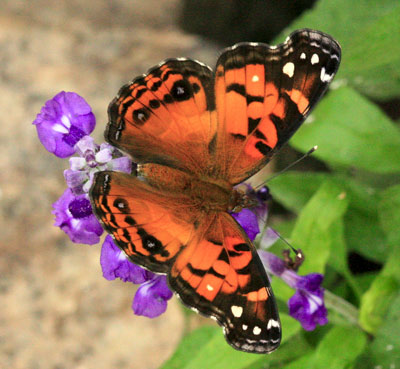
(341, 306)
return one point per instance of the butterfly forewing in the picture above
(166, 116)
(264, 93)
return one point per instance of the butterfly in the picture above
(195, 134)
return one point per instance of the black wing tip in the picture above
(294, 37)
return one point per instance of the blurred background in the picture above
(57, 311)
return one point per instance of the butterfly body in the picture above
(206, 193)
(197, 135)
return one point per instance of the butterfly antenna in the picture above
(308, 153)
(299, 258)
(297, 252)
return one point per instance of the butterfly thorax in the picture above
(203, 192)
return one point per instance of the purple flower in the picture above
(253, 219)
(75, 217)
(307, 304)
(93, 158)
(115, 264)
(62, 122)
(249, 222)
(151, 297)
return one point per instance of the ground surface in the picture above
(56, 309)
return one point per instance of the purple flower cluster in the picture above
(93, 158)
(63, 127)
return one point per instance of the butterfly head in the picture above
(240, 200)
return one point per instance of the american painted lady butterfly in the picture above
(195, 136)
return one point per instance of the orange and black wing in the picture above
(264, 93)
(219, 274)
(166, 116)
(210, 262)
(149, 226)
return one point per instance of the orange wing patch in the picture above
(166, 116)
(148, 227)
(264, 93)
(221, 275)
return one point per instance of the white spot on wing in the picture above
(210, 288)
(255, 78)
(288, 69)
(325, 77)
(256, 330)
(315, 59)
(273, 323)
(237, 311)
(302, 56)
(244, 326)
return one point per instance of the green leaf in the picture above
(212, 352)
(190, 346)
(338, 258)
(290, 350)
(350, 131)
(375, 302)
(301, 363)
(294, 189)
(373, 56)
(206, 347)
(290, 327)
(364, 235)
(339, 348)
(385, 349)
(389, 213)
(312, 232)
(362, 230)
(369, 33)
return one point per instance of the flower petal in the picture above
(80, 225)
(248, 220)
(62, 122)
(115, 264)
(151, 297)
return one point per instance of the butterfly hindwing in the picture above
(219, 274)
(264, 93)
(210, 262)
(150, 227)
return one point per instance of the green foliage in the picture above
(352, 207)
(354, 137)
